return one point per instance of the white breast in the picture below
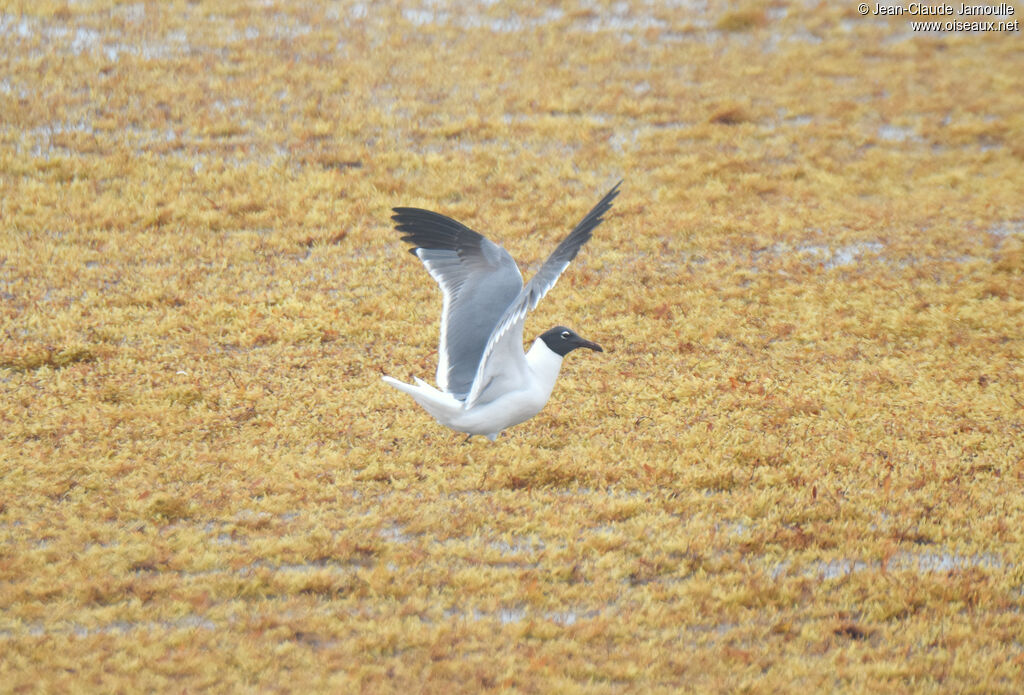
(545, 365)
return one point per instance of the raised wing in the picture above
(515, 315)
(478, 280)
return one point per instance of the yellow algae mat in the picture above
(798, 466)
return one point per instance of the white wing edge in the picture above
(446, 301)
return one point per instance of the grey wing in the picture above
(510, 325)
(478, 279)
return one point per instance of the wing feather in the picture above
(478, 281)
(539, 285)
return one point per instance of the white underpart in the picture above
(512, 405)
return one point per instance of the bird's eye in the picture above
(565, 335)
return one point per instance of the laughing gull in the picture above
(486, 383)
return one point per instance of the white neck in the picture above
(544, 364)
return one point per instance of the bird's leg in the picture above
(466, 440)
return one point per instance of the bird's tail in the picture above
(438, 403)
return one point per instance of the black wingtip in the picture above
(596, 215)
(401, 212)
(425, 229)
(613, 193)
(605, 204)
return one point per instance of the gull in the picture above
(486, 383)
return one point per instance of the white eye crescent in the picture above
(565, 335)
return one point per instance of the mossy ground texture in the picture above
(797, 467)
